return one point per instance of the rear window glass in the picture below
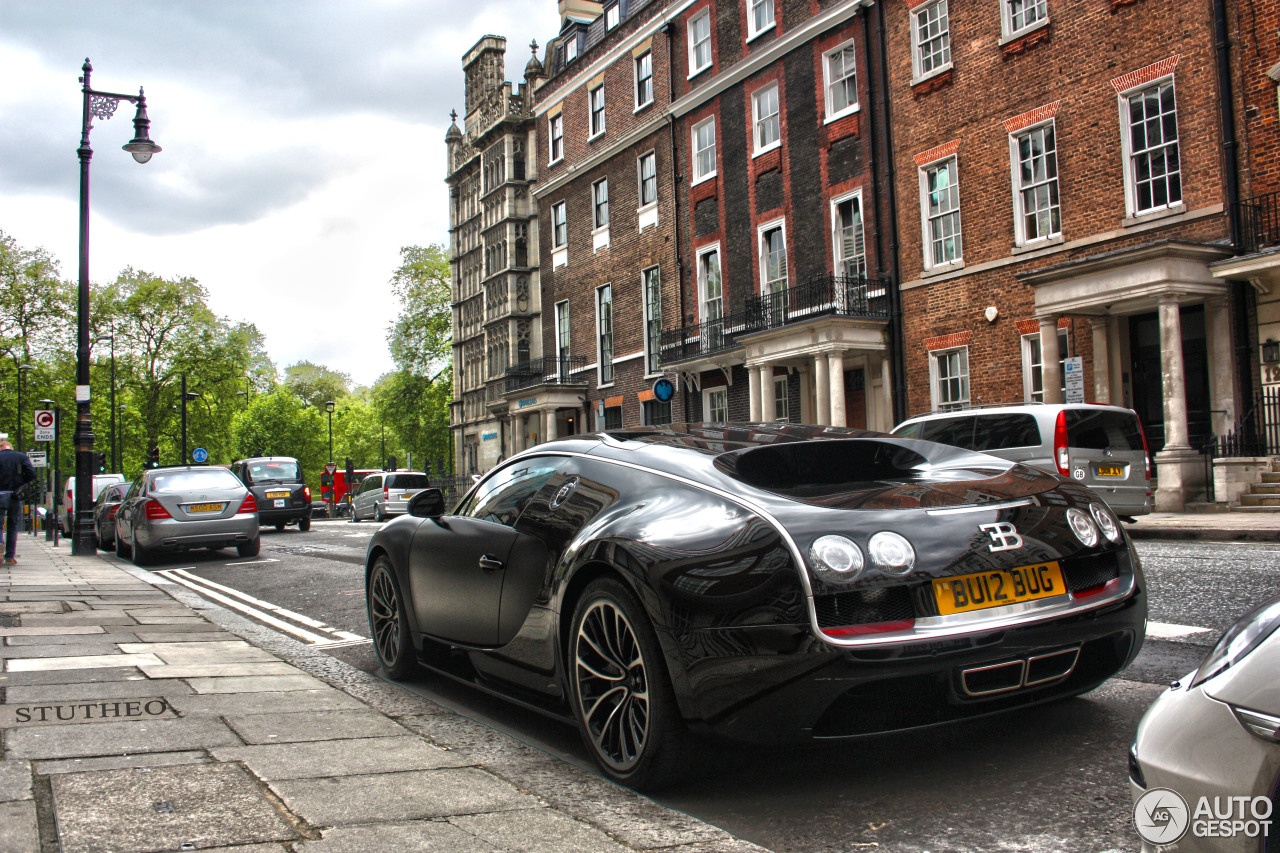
(978, 432)
(1092, 429)
(408, 481)
(182, 481)
(276, 469)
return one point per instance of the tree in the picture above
(417, 410)
(421, 337)
(35, 304)
(316, 384)
(279, 424)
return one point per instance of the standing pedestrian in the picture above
(16, 471)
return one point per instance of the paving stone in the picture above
(30, 606)
(535, 830)
(80, 647)
(201, 653)
(15, 780)
(412, 795)
(421, 836)
(313, 725)
(169, 620)
(96, 711)
(169, 688)
(48, 631)
(199, 626)
(69, 676)
(18, 830)
(61, 639)
(352, 757)
(147, 809)
(152, 634)
(256, 683)
(223, 704)
(77, 740)
(87, 617)
(271, 666)
(119, 762)
(79, 662)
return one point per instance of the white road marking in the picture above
(1167, 631)
(252, 562)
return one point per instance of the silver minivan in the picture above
(383, 495)
(1102, 447)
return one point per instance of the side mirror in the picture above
(428, 503)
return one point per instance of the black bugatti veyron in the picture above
(762, 583)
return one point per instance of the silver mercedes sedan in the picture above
(186, 506)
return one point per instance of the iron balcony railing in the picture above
(823, 295)
(1259, 223)
(544, 371)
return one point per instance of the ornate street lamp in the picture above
(100, 105)
(328, 407)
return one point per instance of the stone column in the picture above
(1101, 359)
(1221, 384)
(823, 387)
(768, 412)
(754, 382)
(835, 370)
(1180, 470)
(1117, 362)
(886, 385)
(1050, 370)
(516, 428)
(550, 431)
(806, 397)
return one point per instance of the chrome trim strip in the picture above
(1022, 674)
(981, 507)
(1075, 657)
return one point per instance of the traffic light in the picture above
(391, 463)
(153, 457)
(100, 461)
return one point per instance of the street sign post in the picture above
(44, 424)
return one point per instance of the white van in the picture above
(100, 482)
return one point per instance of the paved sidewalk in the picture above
(1210, 526)
(131, 723)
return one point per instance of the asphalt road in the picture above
(1046, 779)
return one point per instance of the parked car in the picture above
(100, 482)
(1213, 738)
(186, 506)
(104, 514)
(762, 583)
(1102, 447)
(383, 495)
(282, 494)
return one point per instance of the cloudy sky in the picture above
(303, 146)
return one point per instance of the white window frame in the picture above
(571, 49)
(1126, 145)
(753, 6)
(695, 42)
(600, 204)
(559, 225)
(710, 407)
(829, 85)
(759, 122)
(612, 16)
(926, 220)
(918, 71)
(704, 299)
(647, 212)
(772, 285)
(638, 66)
(555, 138)
(562, 333)
(604, 336)
(838, 259)
(781, 405)
(698, 176)
(1007, 30)
(936, 378)
(593, 113)
(651, 279)
(1033, 367)
(1052, 185)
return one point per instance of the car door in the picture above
(364, 498)
(124, 515)
(459, 563)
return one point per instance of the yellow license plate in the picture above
(205, 508)
(277, 494)
(1109, 471)
(998, 587)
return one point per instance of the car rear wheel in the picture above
(387, 622)
(304, 524)
(142, 556)
(122, 549)
(378, 515)
(250, 548)
(622, 695)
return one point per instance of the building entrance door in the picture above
(855, 398)
(1148, 383)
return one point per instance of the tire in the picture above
(251, 548)
(279, 525)
(355, 516)
(141, 556)
(388, 624)
(378, 515)
(304, 524)
(123, 550)
(636, 735)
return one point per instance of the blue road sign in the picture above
(200, 454)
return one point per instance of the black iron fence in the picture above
(1255, 434)
(539, 371)
(822, 295)
(1259, 223)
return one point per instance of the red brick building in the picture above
(1061, 194)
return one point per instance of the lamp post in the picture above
(22, 368)
(186, 395)
(115, 461)
(100, 105)
(328, 407)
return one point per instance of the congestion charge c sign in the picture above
(663, 390)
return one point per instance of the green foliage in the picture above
(416, 409)
(278, 424)
(316, 384)
(421, 336)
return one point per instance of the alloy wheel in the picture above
(384, 616)
(612, 685)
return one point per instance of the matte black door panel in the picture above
(454, 597)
